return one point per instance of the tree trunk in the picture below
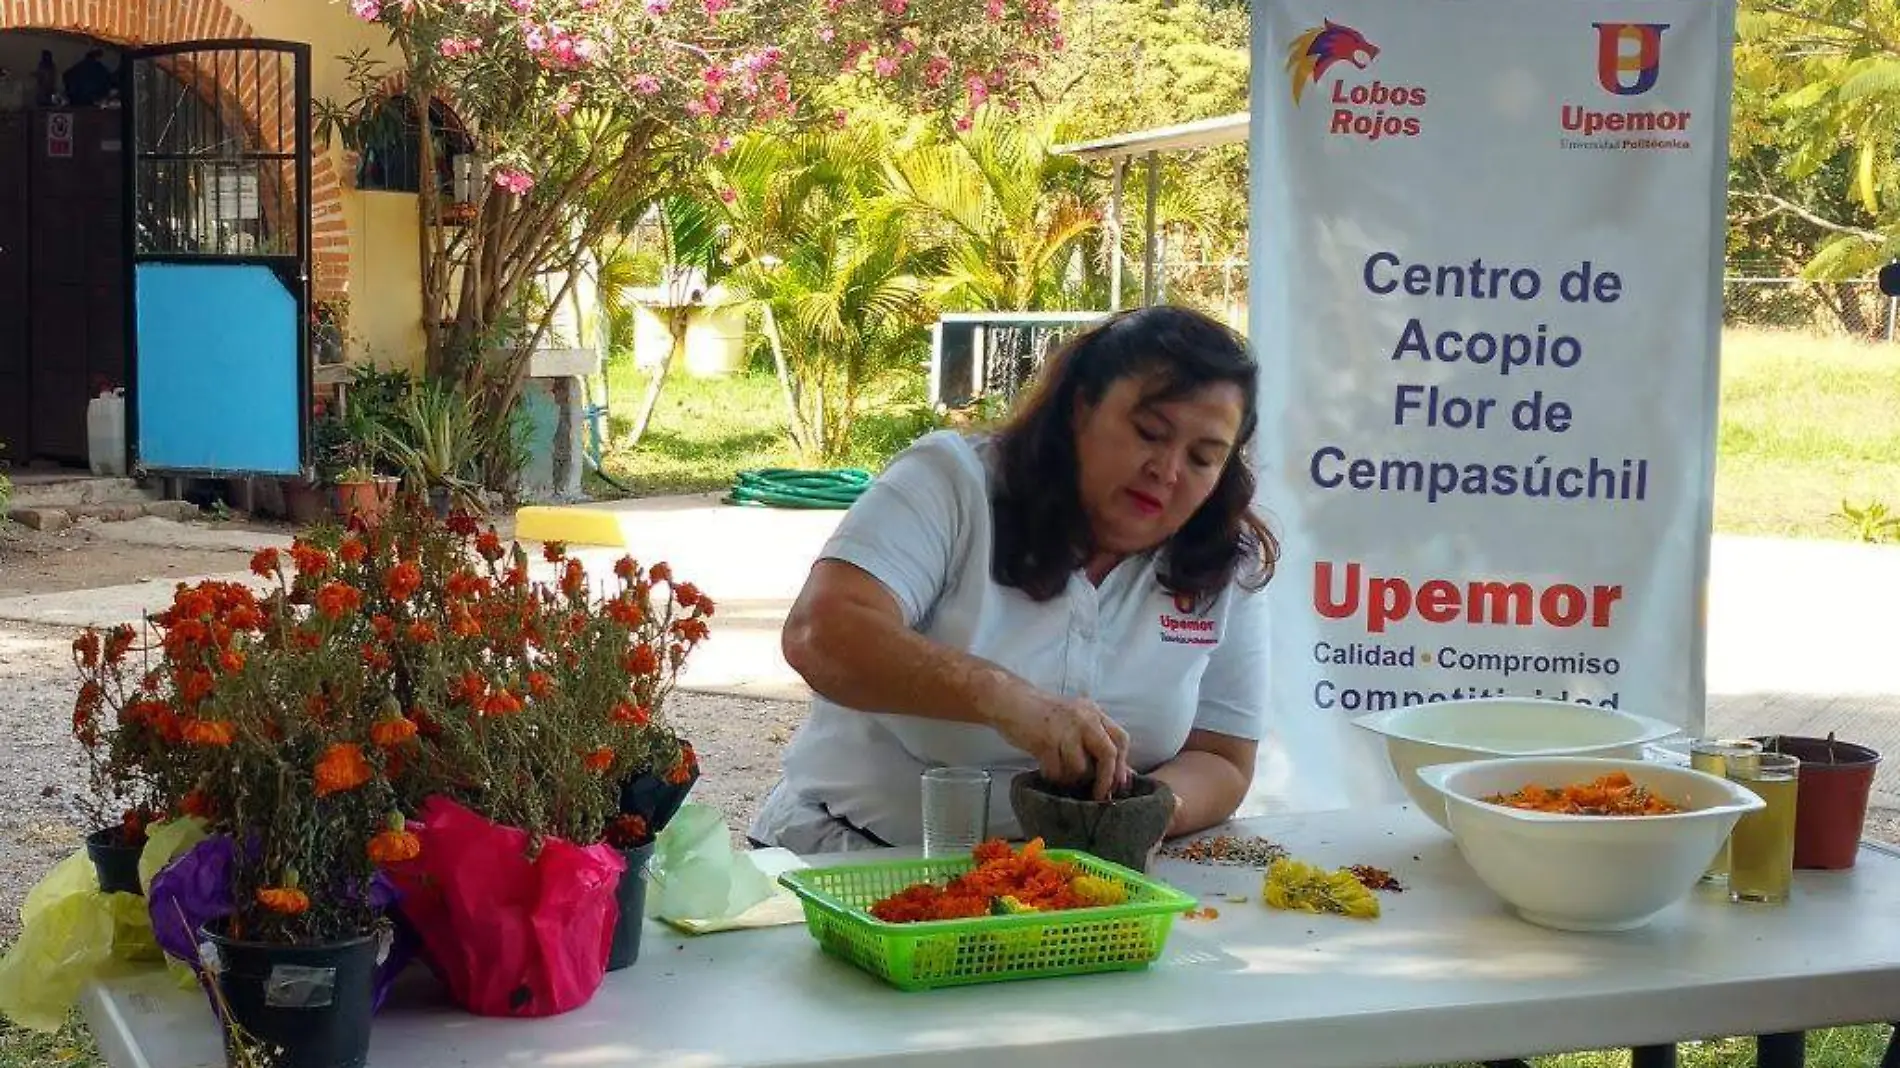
(677, 321)
(800, 433)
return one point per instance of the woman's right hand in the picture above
(1071, 738)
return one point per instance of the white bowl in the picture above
(1587, 873)
(1445, 732)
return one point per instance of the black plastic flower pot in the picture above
(115, 861)
(654, 799)
(296, 1006)
(632, 898)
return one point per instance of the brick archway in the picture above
(134, 23)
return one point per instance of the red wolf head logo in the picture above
(1314, 52)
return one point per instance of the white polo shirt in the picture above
(925, 530)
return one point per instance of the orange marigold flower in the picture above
(691, 629)
(394, 847)
(628, 831)
(86, 647)
(575, 579)
(284, 900)
(352, 551)
(599, 761)
(554, 551)
(464, 584)
(626, 611)
(489, 546)
(393, 731)
(422, 632)
(142, 709)
(337, 599)
(629, 713)
(309, 559)
(403, 580)
(501, 703)
(661, 572)
(265, 563)
(516, 578)
(625, 567)
(231, 661)
(341, 768)
(219, 732)
(687, 594)
(705, 605)
(384, 627)
(540, 684)
(195, 686)
(641, 660)
(244, 617)
(464, 625)
(308, 639)
(196, 803)
(461, 524)
(118, 643)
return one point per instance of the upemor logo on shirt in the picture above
(1185, 626)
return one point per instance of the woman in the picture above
(1079, 591)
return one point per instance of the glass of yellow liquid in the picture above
(1715, 755)
(1761, 848)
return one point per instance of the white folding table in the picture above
(1446, 974)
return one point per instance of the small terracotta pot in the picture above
(372, 499)
(1122, 831)
(1831, 800)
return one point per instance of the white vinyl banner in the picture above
(1486, 288)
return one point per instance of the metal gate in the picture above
(217, 135)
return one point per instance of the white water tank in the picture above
(105, 433)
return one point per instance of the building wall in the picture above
(364, 244)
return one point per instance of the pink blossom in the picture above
(722, 146)
(367, 10)
(456, 47)
(521, 7)
(570, 98)
(936, 71)
(708, 103)
(964, 124)
(535, 37)
(714, 76)
(979, 92)
(659, 8)
(589, 5)
(832, 7)
(841, 117)
(826, 33)
(994, 10)
(896, 8)
(886, 66)
(514, 180)
(715, 8)
(1058, 42)
(646, 84)
(728, 195)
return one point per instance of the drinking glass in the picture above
(1761, 850)
(1715, 755)
(956, 810)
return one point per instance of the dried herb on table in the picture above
(1375, 878)
(1301, 887)
(1250, 852)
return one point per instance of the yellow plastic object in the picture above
(575, 526)
(164, 843)
(71, 934)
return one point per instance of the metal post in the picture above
(1152, 231)
(1891, 302)
(1115, 264)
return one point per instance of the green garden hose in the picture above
(785, 487)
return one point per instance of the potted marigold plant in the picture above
(262, 718)
(534, 702)
(124, 751)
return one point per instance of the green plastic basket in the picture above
(988, 949)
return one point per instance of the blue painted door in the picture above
(218, 139)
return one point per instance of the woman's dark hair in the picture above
(1042, 535)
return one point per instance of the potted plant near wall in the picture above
(329, 331)
(433, 440)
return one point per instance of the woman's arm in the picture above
(1209, 777)
(847, 638)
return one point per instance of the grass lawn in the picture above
(1806, 423)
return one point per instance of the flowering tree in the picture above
(578, 110)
